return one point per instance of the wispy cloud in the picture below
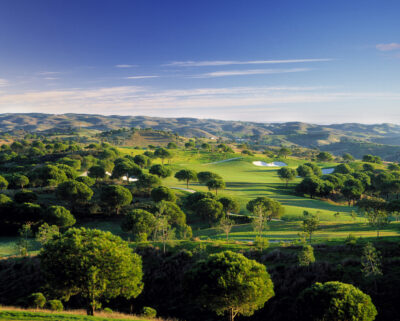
(46, 73)
(3, 82)
(388, 46)
(208, 102)
(235, 62)
(141, 77)
(125, 66)
(51, 78)
(248, 72)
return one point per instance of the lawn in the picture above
(19, 314)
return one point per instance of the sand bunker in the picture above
(273, 164)
(327, 171)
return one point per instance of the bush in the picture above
(107, 310)
(149, 312)
(37, 300)
(55, 305)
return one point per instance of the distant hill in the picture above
(355, 138)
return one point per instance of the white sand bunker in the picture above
(273, 164)
(327, 171)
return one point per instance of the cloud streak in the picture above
(3, 82)
(235, 62)
(388, 46)
(248, 72)
(202, 102)
(125, 66)
(141, 77)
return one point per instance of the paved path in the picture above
(185, 189)
(223, 161)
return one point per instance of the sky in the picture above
(264, 61)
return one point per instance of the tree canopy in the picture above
(95, 264)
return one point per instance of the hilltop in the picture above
(358, 139)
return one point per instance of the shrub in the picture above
(37, 300)
(149, 312)
(55, 305)
(107, 310)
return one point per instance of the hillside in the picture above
(379, 139)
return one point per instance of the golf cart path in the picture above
(223, 161)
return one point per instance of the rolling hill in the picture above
(358, 139)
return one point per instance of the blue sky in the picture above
(313, 61)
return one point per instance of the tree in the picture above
(160, 170)
(372, 159)
(228, 282)
(310, 223)
(46, 232)
(306, 255)
(18, 180)
(324, 157)
(347, 157)
(140, 223)
(371, 261)
(394, 167)
(172, 145)
(215, 184)
(163, 193)
(352, 190)
(147, 182)
(142, 160)
(230, 205)
(375, 211)
(37, 300)
(163, 154)
(225, 225)
(59, 216)
(47, 175)
(116, 196)
(74, 192)
(335, 301)
(23, 244)
(260, 220)
(124, 167)
(86, 180)
(3, 183)
(206, 176)
(271, 208)
(209, 209)
(97, 172)
(287, 174)
(163, 230)
(93, 264)
(284, 152)
(186, 175)
(343, 169)
(304, 171)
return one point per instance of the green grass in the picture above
(56, 316)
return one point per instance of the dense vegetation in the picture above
(193, 229)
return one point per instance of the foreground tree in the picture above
(230, 283)
(95, 264)
(335, 301)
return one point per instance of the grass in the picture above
(12, 313)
